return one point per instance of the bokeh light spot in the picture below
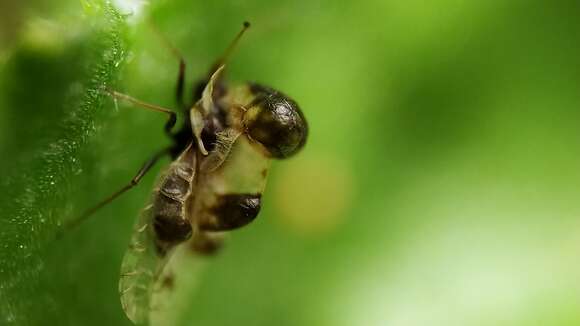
(313, 194)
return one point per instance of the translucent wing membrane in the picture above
(157, 232)
(171, 296)
(139, 269)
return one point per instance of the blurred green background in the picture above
(439, 185)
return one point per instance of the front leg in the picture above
(202, 109)
(197, 125)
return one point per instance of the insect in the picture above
(221, 155)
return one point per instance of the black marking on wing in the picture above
(169, 223)
(161, 226)
(232, 211)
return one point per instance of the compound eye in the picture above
(276, 122)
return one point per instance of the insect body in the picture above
(221, 156)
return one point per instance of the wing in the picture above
(140, 266)
(179, 279)
(162, 225)
(224, 198)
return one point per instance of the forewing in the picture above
(147, 254)
(174, 287)
(139, 269)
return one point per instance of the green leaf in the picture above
(52, 106)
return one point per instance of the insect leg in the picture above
(226, 55)
(180, 84)
(134, 181)
(202, 109)
(175, 52)
(172, 117)
(221, 61)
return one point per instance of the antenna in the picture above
(232, 47)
